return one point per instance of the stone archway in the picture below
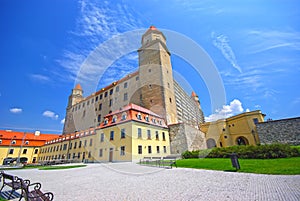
(211, 143)
(242, 141)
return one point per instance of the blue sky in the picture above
(255, 46)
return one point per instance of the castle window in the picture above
(124, 116)
(13, 142)
(105, 94)
(150, 86)
(125, 96)
(156, 135)
(157, 149)
(149, 134)
(117, 88)
(91, 142)
(111, 135)
(137, 78)
(139, 116)
(139, 133)
(168, 85)
(170, 100)
(165, 149)
(154, 120)
(101, 95)
(111, 91)
(149, 150)
(100, 106)
(83, 104)
(140, 149)
(0, 141)
(11, 151)
(147, 118)
(100, 152)
(122, 153)
(96, 99)
(85, 142)
(163, 136)
(125, 85)
(88, 102)
(78, 107)
(149, 70)
(36, 151)
(114, 119)
(99, 117)
(102, 137)
(255, 120)
(123, 133)
(27, 142)
(105, 121)
(92, 101)
(24, 151)
(75, 145)
(110, 102)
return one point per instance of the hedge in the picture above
(257, 152)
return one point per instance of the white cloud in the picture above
(39, 77)
(266, 40)
(98, 21)
(50, 114)
(16, 110)
(222, 43)
(63, 121)
(235, 107)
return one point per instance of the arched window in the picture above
(139, 116)
(211, 143)
(147, 118)
(13, 142)
(124, 116)
(242, 141)
(105, 121)
(114, 119)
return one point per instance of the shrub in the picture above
(249, 152)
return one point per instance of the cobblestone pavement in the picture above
(129, 181)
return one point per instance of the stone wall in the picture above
(184, 137)
(283, 131)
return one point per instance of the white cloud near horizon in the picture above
(63, 121)
(50, 114)
(235, 107)
(16, 110)
(222, 43)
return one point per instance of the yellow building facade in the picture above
(236, 130)
(21, 147)
(128, 134)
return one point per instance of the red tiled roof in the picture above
(20, 138)
(133, 111)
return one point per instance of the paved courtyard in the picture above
(129, 181)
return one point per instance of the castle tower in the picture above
(155, 74)
(75, 97)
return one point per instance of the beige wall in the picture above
(226, 132)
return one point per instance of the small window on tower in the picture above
(149, 70)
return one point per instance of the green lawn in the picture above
(282, 166)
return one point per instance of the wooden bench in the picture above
(169, 161)
(12, 182)
(156, 160)
(32, 192)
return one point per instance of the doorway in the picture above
(111, 154)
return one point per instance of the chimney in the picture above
(37, 133)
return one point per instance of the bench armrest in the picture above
(39, 194)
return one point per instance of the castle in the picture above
(152, 87)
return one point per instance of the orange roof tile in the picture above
(14, 138)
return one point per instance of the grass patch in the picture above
(281, 166)
(60, 167)
(2, 199)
